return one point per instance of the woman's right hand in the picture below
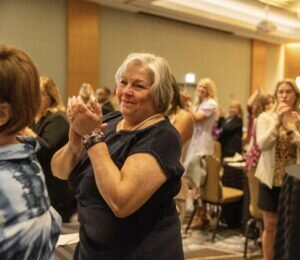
(74, 137)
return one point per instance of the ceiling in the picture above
(276, 21)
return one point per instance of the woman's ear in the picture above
(5, 113)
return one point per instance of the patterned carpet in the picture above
(229, 244)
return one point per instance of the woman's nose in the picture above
(128, 89)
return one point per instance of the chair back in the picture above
(253, 190)
(212, 191)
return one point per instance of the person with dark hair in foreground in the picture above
(29, 225)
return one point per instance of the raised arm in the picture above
(198, 116)
(125, 190)
(206, 110)
(253, 97)
(65, 159)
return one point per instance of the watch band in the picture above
(94, 138)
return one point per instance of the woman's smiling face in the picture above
(202, 91)
(133, 91)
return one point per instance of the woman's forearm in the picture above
(198, 116)
(107, 175)
(140, 172)
(64, 161)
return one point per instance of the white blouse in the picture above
(202, 139)
(266, 136)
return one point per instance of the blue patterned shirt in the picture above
(29, 226)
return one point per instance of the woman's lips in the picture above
(127, 102)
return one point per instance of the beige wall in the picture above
(82, 45)
(39, 28)
(275, 66)
(267, 65)
(292, 60)
(223, 57)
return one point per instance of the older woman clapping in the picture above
(126, 176)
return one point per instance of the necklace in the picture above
(140, 124)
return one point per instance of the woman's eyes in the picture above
(285, 92)
(134, 85)
(139, 86)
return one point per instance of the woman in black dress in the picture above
(51, 128)
(126, 177)
(231, 131)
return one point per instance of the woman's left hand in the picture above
(84, 119)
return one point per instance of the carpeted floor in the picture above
(229, 244)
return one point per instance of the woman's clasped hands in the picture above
(83, 119)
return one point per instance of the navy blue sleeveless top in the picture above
(153, 231)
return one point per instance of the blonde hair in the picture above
(88, 91)
(52, 91)
(161, 90)
(293, 85)
(239, 106)
(211, 89)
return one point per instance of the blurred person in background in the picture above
(256, 103)
(51, 128)
(182, 119)
(204, 112)
(86, 93)
(231, 130)
(184, 122)
(186, 99)
(262, 104)
(103, 97)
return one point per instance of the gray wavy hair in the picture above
(161, 91)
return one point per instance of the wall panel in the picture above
(208, 53)
(82, 45)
